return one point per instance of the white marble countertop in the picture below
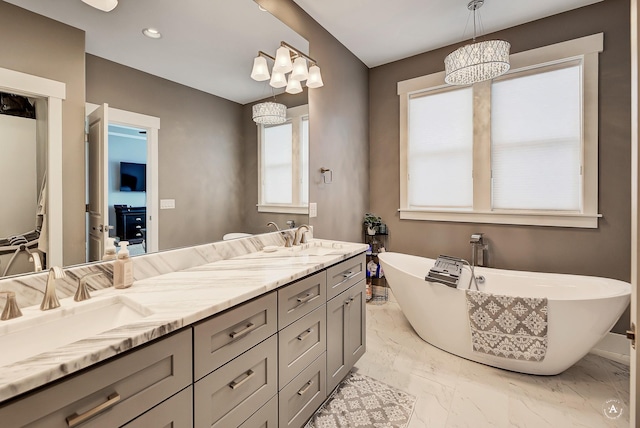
(174, 300)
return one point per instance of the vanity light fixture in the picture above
(303, 67)
(103, 5)
(152, 33)
(479, 61)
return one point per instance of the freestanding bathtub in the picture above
(581, 309)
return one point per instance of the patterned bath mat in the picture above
(360, 401)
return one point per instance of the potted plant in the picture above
(371, 223)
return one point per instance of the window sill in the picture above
(284, 209)
(586, 221)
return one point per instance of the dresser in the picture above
(131, 223)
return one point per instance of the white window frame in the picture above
(295, 115)
(584, 49)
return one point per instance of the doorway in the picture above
(130, 150)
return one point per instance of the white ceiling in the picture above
(207, 44)
(382, 31)
(210, 44)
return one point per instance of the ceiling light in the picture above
(260, 71)
(269, 113)
(300, 71)
(315, 78)
(152, 33)
(283, 60)
(283, 65)
(278, 79)
(476, 62)
(103, 5)
(293, 86)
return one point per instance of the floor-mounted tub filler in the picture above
(548, 322)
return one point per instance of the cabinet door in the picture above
(266, 417)
(299, 400)
(176, 412)
(356, 327)
(346, 338)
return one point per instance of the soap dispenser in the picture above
(109, 250)
(123, 268)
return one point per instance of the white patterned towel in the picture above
(507, 326)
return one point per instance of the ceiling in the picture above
(206, 44)
(382, 31)
(210, 44)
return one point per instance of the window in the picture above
(284, 164)
(521, 149)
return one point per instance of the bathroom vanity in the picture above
(256, 339)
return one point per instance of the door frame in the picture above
(152, 125)
(634, 399)
(54, 92)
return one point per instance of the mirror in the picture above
(182, 164)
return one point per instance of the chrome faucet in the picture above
(300, 237)
(11, 309)
(478, 250)
(50, 300)
(271, 223)
(82, 293)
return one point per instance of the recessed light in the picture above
(262, 8)
(152, 33)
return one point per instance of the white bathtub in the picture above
(581, 309)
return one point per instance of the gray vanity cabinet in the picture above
(176, 412)
(346, 339)
(111, 394)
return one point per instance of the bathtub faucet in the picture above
(478, 250)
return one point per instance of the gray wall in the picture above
(200, 149)
(604, 251)
(338, 128)
(40, 46)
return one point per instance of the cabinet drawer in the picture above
(176, 412)
(300, 344)
(130, 384)
(225, 336)
(344, 275)
(266, 417)
(300, 298)
(300, 399)
(239, 388)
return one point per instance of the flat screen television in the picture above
(133, 177)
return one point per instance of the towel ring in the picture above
(324, 172)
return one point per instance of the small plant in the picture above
(371, 222)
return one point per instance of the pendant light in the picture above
(479, 61)
(293, 86)
(103, 5)
(299, 68)
(260, 71)
(269, 113)
(315, 78)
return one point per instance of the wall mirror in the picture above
(261, 29)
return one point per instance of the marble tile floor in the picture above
(453, 392)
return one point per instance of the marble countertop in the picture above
(174, 300)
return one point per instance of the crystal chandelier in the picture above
(269, 113)
(478, 61)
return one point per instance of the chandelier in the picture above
(269, 113)
(287, 60)
(479, 61)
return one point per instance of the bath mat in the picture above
(507, 326)
(360, 401)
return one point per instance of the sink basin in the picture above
(38, 332)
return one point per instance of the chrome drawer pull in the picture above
(138, 219)
(305, 388)
(309, 297)
(305, 334)
(249, 328)
(349, 275)
(77, 419)
(138, 226)
(238, 383)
